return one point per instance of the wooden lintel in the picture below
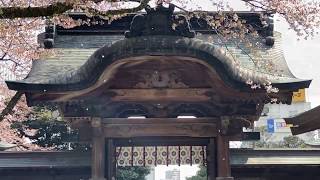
(127, 128)
(159, 120)
(187, 95)
(185, 130)
(161, 141)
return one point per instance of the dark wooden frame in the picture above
(109, 133)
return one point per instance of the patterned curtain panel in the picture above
(160, 155)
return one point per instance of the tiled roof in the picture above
(71, 63)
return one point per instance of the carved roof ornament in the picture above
(161, 79)
(160, 21)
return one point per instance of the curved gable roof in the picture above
(75, 67)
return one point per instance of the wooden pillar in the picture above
(223, 158)
(211, 159)
(98, 150)
(110, 160)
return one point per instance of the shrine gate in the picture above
(124, 93)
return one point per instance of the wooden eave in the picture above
(305, 122)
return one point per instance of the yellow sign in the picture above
(299, 96)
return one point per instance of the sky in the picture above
(303, 58)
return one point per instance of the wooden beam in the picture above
(145, 130)
(185, 95)
(305, 122)
(113, 126)
(128, 128)
(161, 141)
(119, 121)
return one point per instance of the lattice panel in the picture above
(160, 155)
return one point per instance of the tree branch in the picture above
(29, 12)
(4, 55)
(143, 4)
(11, 60)
(12, 103)
(60, 8)
(256, 4)
(3, 59)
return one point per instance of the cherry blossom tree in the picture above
(22, 20)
